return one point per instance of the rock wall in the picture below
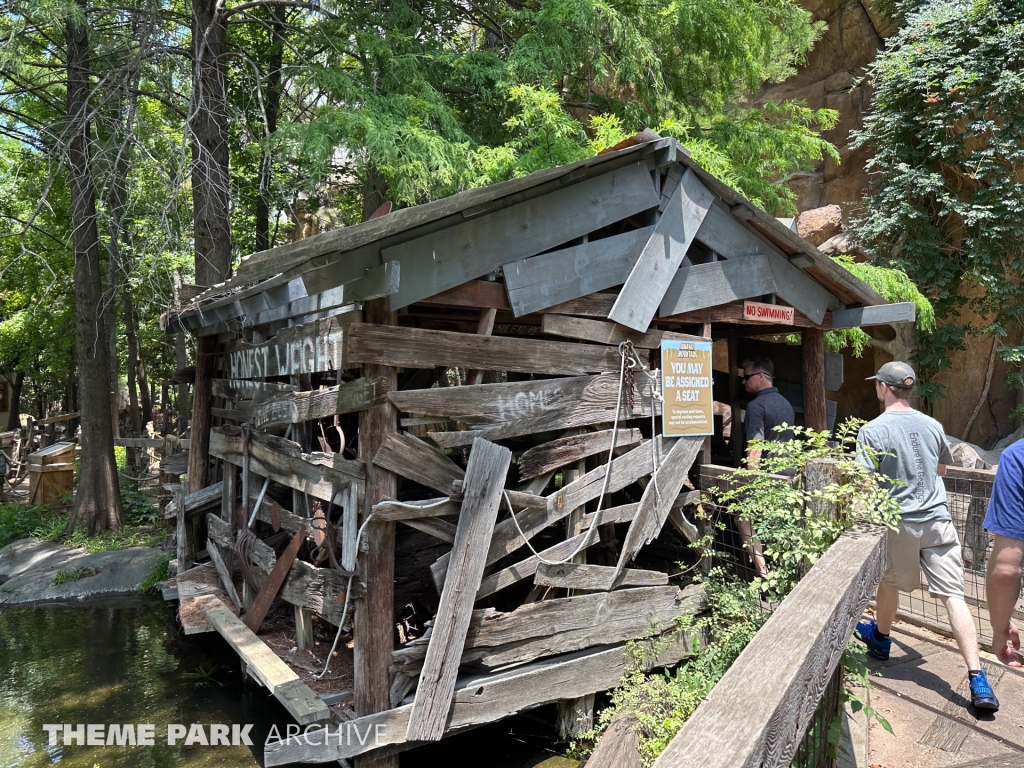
(833, 77)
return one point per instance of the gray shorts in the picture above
(931, 546)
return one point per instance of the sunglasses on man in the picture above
(746, 376)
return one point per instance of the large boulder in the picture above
(971, 456)
(819, 224)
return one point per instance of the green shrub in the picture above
(18, 521)
(68, 575)
(159, 571)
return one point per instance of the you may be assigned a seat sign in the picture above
(686, 386)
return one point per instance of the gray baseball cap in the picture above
(896, 373)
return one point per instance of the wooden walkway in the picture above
(922, 691)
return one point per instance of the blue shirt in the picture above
(1006, 506)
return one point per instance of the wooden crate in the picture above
(51, 473)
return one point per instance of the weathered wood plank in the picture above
(596, 577)
(418, 461)
(213, 550)
(439, 529)
(797, 288)
(272, 584)
(639, 298)
(905, 312)
(485, 476)
(603, 332)
(320, 475)
(621, 514)
(565, 450)
(478, 294)
(778, 686)
(485, 699)
(718, 282)
(304, 705)
(220, 533)
(733, 313)
(564, 625)
(427, 348)
(295, 407)
(524, 569)
(196, 502)
(442, 260)
(244, 389)
(659, 496)
(309, 348)
(415, 510)
(619, 746)
(552, 278)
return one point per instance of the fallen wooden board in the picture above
(265, 665)
(295, 407)
(565, 450)
(320, 475)
(403, 347)
(309, 348)
(197, 502)
(524, 569)
(441, 260)
(485, 699)
(268, 591)
(485, 476)
(564, 625)
(595, 577)
(213, 550)
(639, 298)
(604, 332)
(418, 461)
(551, 278)
(659, 496)
(718, 282)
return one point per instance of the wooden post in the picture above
(183, 541)
(303, 628)
(202, 398)
(374, 614)
(736, 438)
(813, 340)
(484, 328)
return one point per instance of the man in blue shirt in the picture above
(1005, 519)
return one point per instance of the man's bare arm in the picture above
(1003, 591)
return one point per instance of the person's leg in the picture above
(887, 600)
(964, 631)
(1002, 592)
(753, 547)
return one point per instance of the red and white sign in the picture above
(757, 312)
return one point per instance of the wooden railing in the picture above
(759, 711)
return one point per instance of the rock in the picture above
(809, 189)
(970, 456)
(819, 224)
(28, 567)
(840, 81)
(843, 243)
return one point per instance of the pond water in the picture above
(128, 663)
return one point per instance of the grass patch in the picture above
(68, 575)
(159, 571)
(19, 521)
(124, 538)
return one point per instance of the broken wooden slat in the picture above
(441, 260)
(565, 450)
(552, 278)
(320, 590)
(622, 514)
(439, 529)
(639, 298)
(487, 698)
(718, 282)
(418, 461)
(295, 407)
(563, 625)
(195, 502)
(213, 550)
(604, 332)
(659, 496)
(596, 577)
(255, 615)
(861, 317)
(485, 476)
(304, 705)
(479, 294)
(524, 569)
(415, 510)
(309, 348)
(320, 475)
(428, 348)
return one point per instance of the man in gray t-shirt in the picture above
(908, 448)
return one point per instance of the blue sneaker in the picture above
(982, 695)
(878, 648)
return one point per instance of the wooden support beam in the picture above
(595, 577)
(427, 348)
(478, 294)
(540, 282)
(484, 328)
(485, 699)
(294, 407)
(659, 497)
(565, 450)
(303, 628)
(485, 478)
(184, 550)
(213, 550)
(604, 332)
(202, 401)
(813, 356)
(644, 289)
(263, 664)
(196, 503)
(442, 260)
(716, 283)
(777, 686)
(861, 317)
(268, 592)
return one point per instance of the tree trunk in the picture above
(208, 126)
(271, 109)
(134, 417)
(146, 390)
(98, 500)
(14, 416)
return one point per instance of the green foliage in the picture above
(18, 521)
(139, 509)
(122, 538)
(947, 130)
(795, 532)
(158, 572)
(67, 575)
(894, 286)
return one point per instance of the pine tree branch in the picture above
(290, 3)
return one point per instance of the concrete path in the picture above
(922, 691)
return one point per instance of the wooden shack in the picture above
(387, 393)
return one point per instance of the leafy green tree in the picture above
(947, 200)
